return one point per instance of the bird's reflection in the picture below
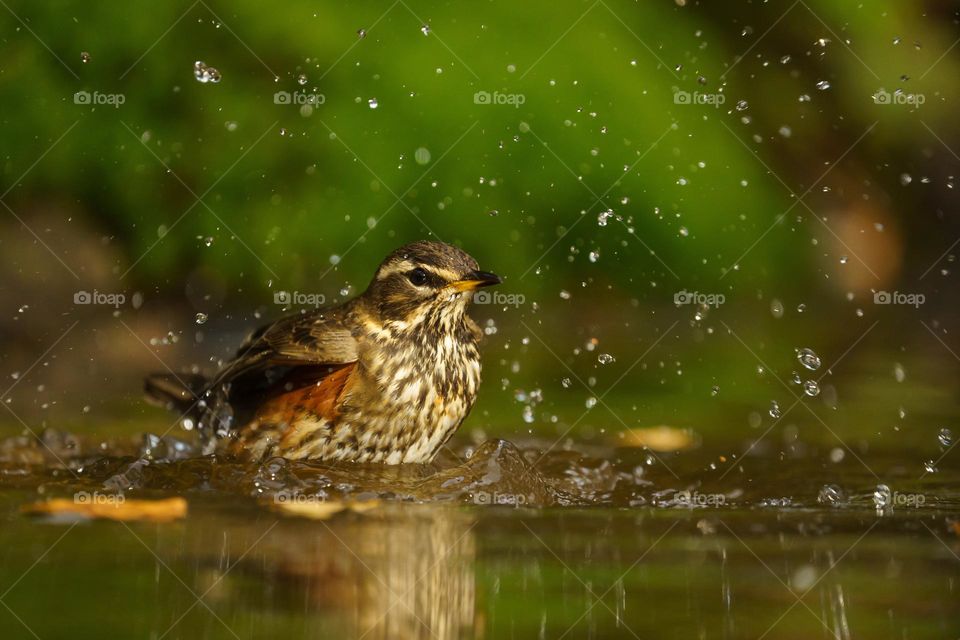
(381, 574)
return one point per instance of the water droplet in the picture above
(882, 496)
(564, 294)
(84, 57)
(774, 411)
(823, 85)
(201, 318)
(372, 103)
(945, 436)
(742, 105)
(808, 358)
(811, 388)
(594, 256)
(205, 74)
(590, 403)
(361, 33)
(830, 494)
(776, 308)
(905, 179)
(528, 416)
(301, 79)
(899, 373)
(930, 466)
(605, 358)
(425, 29)
(422, 155)
(714, 391)
(566, 382)
(784, 59)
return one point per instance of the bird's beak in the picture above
(475, 280)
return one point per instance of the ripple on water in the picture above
(495, 473)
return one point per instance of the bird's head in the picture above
(424, 281)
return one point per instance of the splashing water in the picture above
(204, 73)
(808, 358)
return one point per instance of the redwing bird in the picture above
(385, 377)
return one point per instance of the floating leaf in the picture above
(659, 438)
(118, 508)
(321, 509)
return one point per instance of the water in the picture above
(204, 73)
(811, 388)
(497, 539)
(808, 358)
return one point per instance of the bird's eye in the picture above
(418, 277)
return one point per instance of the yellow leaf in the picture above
(110, 508)
(321, 510)
(659, 438)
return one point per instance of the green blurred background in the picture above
(599, 198)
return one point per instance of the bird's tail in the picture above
(179, 392)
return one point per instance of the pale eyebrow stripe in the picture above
(407, 265)
(400, 267)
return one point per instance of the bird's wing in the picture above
(319, 338)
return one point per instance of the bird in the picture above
(386, 377)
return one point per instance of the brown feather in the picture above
(311, 390)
